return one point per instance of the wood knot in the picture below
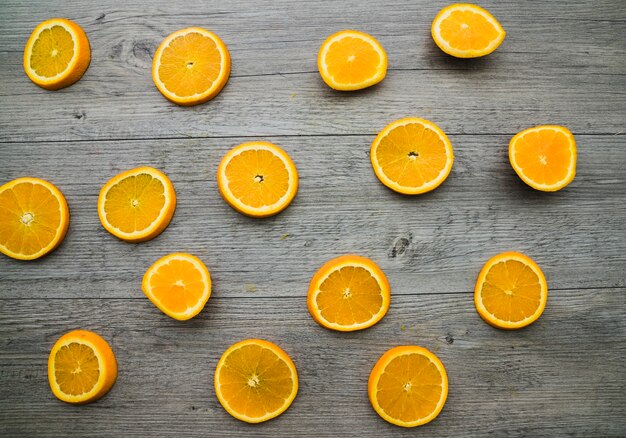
(400, 246)
(449, 339)
(101, 17)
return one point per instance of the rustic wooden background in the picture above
(563, 62)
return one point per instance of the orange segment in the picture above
(348, 293)
(33, 218)
(544, 157)
(351, 60)
(511, 291)
(408, 386)
(412, 156)
(255, 381)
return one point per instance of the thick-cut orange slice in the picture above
(511, 291)
(178, 284)
(351, 60)
(257, 179)
(255, 381)
(544, 157)
(33, 218)
(348, 293)
(137, 205)
(81, 367)
(465, 30)
(57, 54)
(191, 66)
(412, 156)
(408, 386)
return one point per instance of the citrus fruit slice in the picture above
(57, 54)
(178, 284)
(412, 156)
(408, 386)
(511, 291)
(191, 66)
(257, 179)
(348, 293)
(81, 367)
(465, 30)
(137, 205)
(255, 381)
(544, 157)
(351, 60)
(33, 218)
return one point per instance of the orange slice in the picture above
(255, 381)
(511, 291)
(33, 218)
(544, 157)
(81, 367)
(57, 54)
(351, 60)
(137, 205)
(408, 386)
(178, 284)
(348, 293)
(191, 66)
(412, 156)
(465, 30)
(257, 179)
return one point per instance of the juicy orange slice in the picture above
(544, 157)
(465, 30)
(257, 179)
(511, 291)
(57, 54)
(348, 293)
(351, 60)
(81, 367)
(412, 156)
(33, 218)
(255, 381)
(191, 66)
(408, 386)
(137, 205)
(178, 284)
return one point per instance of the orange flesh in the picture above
(52, 52)
(178, 285)
(544, 156)
(352, 60)
(76, 368)
(467, 30)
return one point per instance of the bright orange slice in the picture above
(412, 156)
(511, 291)
(348, 293)
(544, 157)
(33, 218)
(191, 66)
(178, 284)
(137, 205)
(255, 381)
(408, 386)
(351, 60)
(57, 54)
(257, 179)
(465, 30)
(81, 367)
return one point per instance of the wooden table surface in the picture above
(562, 62)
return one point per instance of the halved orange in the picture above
(511, 291)
(408, 386)
(257, 179)
(255, 381)
(81, 367)
(348, 293)
(137, 205)
(544, 157)
(351, 60)
(191, 66)
(57, 54)
(33, 218)
(465, 30)
(412, 156)
(178, 284)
